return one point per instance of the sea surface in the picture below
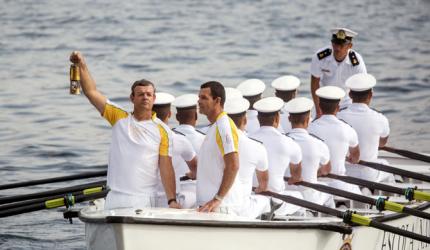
(45, 132)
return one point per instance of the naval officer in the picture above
(252, 161)
(252, 89)
(332, 65)
(372, 126)
(339, 136)
(315, 153)
(286, 89)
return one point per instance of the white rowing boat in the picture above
(161, 228)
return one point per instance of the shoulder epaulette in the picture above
(316, 119)
(343, 108)
(255, 140)
(316, 137)
(323, 54)
(200, 132)
(376, 110)
(288, 135)
(177, 132)
(345, 122)
(353, 58)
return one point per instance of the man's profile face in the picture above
(206, 101)
(143, 97)
(341, 50)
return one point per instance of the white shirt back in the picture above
(285, 124)
(195, 137)
(281, 150)
(370, 126)
(338, 136)
(314, 151)
(252, 123)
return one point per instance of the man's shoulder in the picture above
(355, 58)
(323, 52)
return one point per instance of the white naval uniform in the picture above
(370, 126)
(285, 124)
(133, 158)
(221, 139)
(339, 137)
(252, 123)
(183, 152)
(334, 73)
(195, 137)
(315, 153)
(281, 150)
(252, 156)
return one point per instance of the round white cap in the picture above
(286, 83)
(269, 104)
(185, 101)
(251, 87)
(162, 98)
(236, 106)
(360, 82)
(346, 31)
(330, 92)
(232, 93)
(299, 105)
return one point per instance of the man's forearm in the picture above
(315, 84)
(231, 161)
(167, 177)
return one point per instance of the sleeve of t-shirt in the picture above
(166, 142)
(226, 136)
(385, 126)
(113, 112)
(315, 69)
(360, 68)
(325, 154)
(353, 137)
(263, 161)
(187, 149)
(296, 153)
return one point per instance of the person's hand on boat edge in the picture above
(210, 206)
(174, 204)
(293, 180)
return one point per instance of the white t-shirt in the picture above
(252, 156)
(370, 126)
(221, 139)
(195, 137)
(281, 150)
(334, 73)
(134, 151)
(338, 136)
(285, 124)
(314, 152)
(252, 123)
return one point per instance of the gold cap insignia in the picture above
(341, 34)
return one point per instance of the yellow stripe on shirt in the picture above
(113, 114)
(164, 143)
(233, 133)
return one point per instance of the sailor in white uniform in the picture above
(372, 127)
(252, 89)
(332, 65)
(184, 158)
(339, 136)
(315, 153)
(252, 161)
(282, 151)
(286, 89)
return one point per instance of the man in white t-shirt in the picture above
(332, 65)
(184, 157)
(339, 136)
(141, 147)
(252, 89)
(286, 89)
(284, 154)
(316, 155)
(218, 185)
(252, 161)
(372, 127)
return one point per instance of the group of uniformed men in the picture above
(251, 141)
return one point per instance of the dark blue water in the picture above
(46, 132)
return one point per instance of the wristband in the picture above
(218, 198)
(171, 200)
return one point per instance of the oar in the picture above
(33, 201)
(406, 153)
(409, 193)
(348, 217)
(394, 170)
(67, 200)
(55, 179)
(381, 203)
(9, 199)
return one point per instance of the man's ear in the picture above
(132, 97)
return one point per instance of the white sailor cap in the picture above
(251, 87)
(236, 106)
(232, 93)
(360, 82)
(185, 101)
(330, 93)
(269, 105)
(286, 83)
(299, 105)
(162, 98)
(342, 35)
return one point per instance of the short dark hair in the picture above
(267, 119)
(299, 118)
(328, 106)
(360, 96)
(217, 90)
(162, 111)
(252, 99)
(142, 82)
(286, 95)
(186, 115)
(238, 118)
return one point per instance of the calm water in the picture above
(46, 132)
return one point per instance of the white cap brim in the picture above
(236, 106)
(269, 105)
(361, 82)
(162, 98)
(330, 93)
(286, 83)
(251, 87)
(185, 101)
(299, 105)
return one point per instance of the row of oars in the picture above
(13, 205)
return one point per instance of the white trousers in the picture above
(255, 205)
(115, 199)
